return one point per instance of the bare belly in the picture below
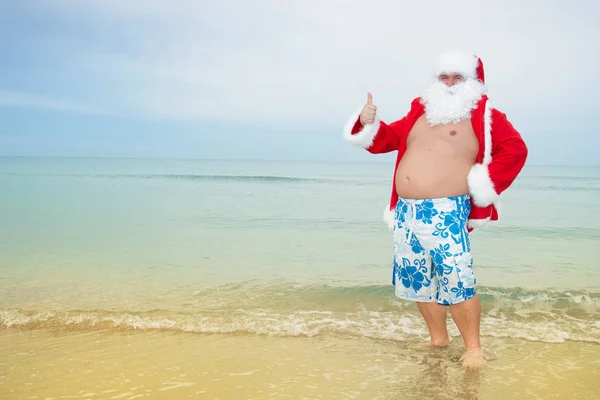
(429, 176)
(437, 161)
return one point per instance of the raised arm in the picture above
(364, 129)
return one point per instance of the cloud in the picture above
(308, 61)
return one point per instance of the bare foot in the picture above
(440, 343)
(436, 345)
(473, 358)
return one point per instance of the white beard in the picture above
(444, 104)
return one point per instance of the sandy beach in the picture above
(166, 365)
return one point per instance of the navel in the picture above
(453, 133)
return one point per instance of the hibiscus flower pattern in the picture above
(401, 211)
(452, 224)
(426, 211)
(439, 256)
(414, 276)
(433, 260)
(415, 244)
(461, 292)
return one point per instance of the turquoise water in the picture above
(283, 248)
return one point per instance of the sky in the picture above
(273, 79)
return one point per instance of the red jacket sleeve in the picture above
(380, 137)
(509, 152)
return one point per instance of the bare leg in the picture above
(435, 317)
(466, 316)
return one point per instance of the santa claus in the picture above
(455, 155)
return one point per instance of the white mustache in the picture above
(454, 88)
(445, 104)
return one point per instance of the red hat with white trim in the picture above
(467, 65)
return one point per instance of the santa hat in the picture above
(468, 65)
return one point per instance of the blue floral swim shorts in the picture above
(432, 251)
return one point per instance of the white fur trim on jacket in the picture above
(481, 186)
(487, 133)
(363, 138)
(484, 222)
(478, 223)
(479, 181)
(457, 62)
(389, 216)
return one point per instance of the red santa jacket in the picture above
(502, 155)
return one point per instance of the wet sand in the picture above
(58, 364)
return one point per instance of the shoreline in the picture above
(166, 364)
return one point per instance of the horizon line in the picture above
(305, 160)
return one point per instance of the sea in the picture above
(217, 279)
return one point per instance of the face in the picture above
(451, 79)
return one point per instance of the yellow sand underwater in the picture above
(129, 364)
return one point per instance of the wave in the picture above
(215, 177)
(566, 187)
(306, 323)
(206, 177)
(564, 232)
(257, 178)
(566, 177)
(381, 297)
(545, 316)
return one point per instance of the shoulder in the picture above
(416, 108)
(498, 115)
(491, 114)
(417, 103)
(415, 111)
(500, 121)
(502, 127)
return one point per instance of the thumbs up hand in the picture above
(367, 116)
